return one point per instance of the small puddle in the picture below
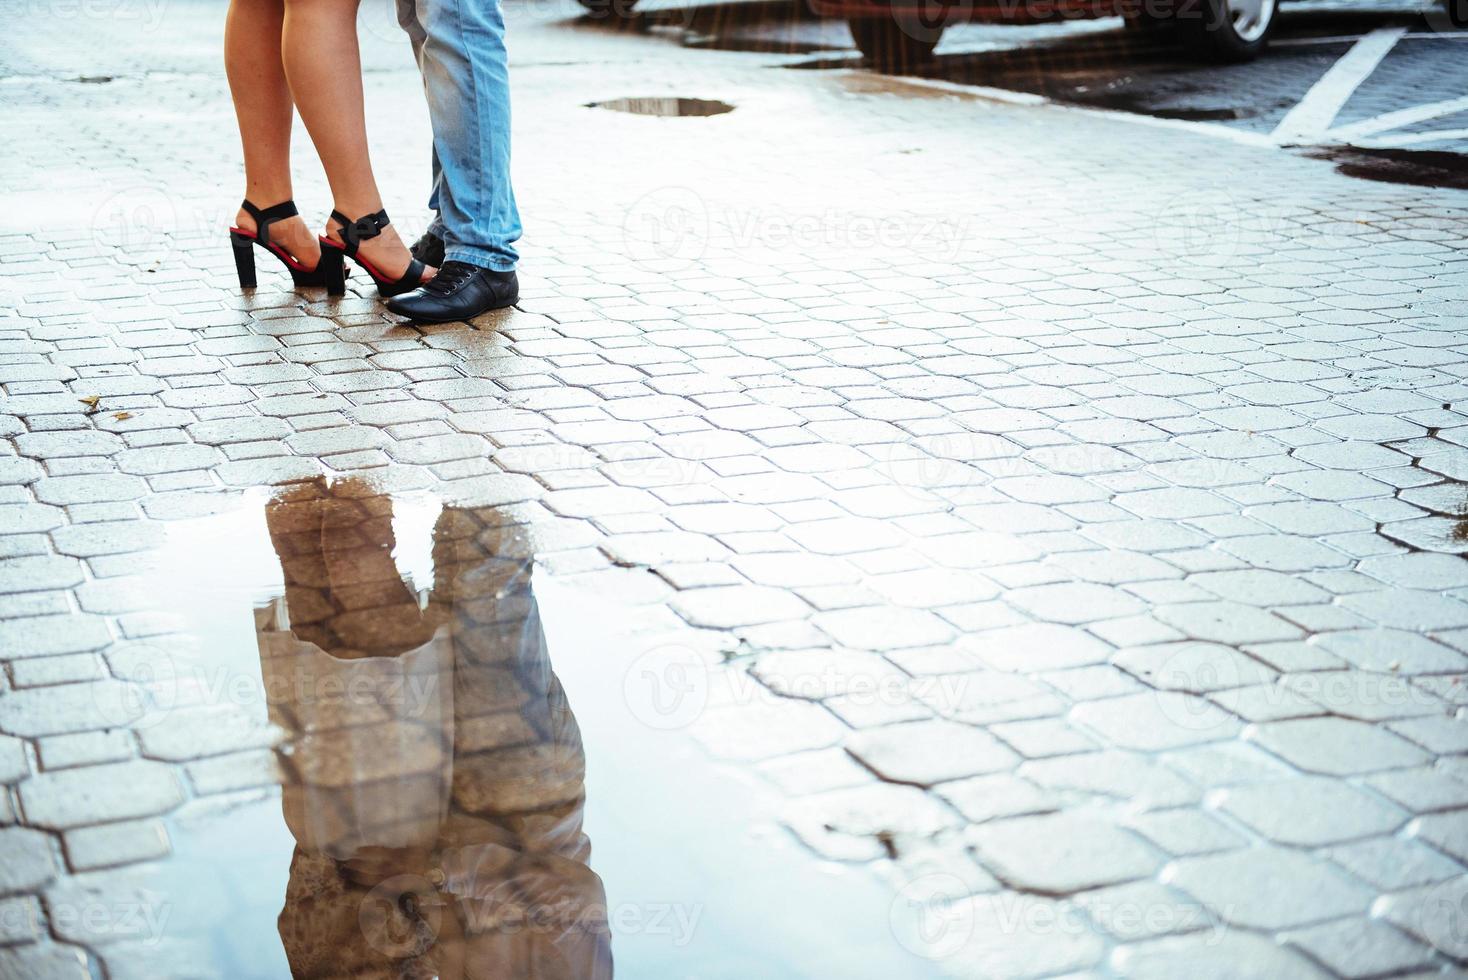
(1419, 168)
(665, 106)
(407, 790)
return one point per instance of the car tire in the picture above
(1227, 30)
(893, 46)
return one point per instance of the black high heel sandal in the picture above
(328, 272)
(354, 233)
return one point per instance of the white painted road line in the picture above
(1309, 121)
(1398, 119)
(1310, 42)
(1411, 139)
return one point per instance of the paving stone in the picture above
(1192, 667)
(1394, 863)
(982, 798)
(1155, 720)
(1113, 775)
(815, 772)
(765, 730)
(1336, 746)
(1074, 603)
(21, 920)
(39, 573)
(1446, 832)
(1432, 914)
(18, 472)
(85, 748)
(1057, 854)
(1409, 609)
(1186, 831)
(107, 538)
(48, 636)
(1017, 935)
(1144, 910)
(929, 752)
(89, 489)
(1226, 622)
(1036, 646)
(13, 763)
(1310, 812)
(819, 674)
(44, 960)
(69, 708)
(118, 791)
(985, 697)
(167, 459)
(28, 863)
(193, 733)
(1418, 570)
(1268, 887)
(849, 824)
(1422, 790)
(723, 607)
(876, 628)
(1440, 733)
(115, 843)
(1207, 956)
(1043, 737)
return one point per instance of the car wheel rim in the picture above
(1250, 18)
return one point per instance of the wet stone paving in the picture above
(967, 539)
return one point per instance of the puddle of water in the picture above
(665, 106)
(441, 810)
(1420, 168)
(1203, 115)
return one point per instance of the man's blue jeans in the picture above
(460, 47)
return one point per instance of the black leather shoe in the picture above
(460, 291)
(428, 249)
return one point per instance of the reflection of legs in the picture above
(331, 926)
(324, 67)
(262, 104)
(466, 74)
(343, 590)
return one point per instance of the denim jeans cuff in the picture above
(483, 257)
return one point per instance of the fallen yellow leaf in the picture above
(122, 416)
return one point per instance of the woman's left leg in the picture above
(262, 103)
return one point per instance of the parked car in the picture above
(903, 33)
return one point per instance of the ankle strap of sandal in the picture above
(265, 217)
(354, 232)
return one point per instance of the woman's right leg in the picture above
(324, 68)
(262, 103)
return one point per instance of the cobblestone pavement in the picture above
(1061, 514)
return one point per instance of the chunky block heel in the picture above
(333, 271)
(354, 233)
(244, 257)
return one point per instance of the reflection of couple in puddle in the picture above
(435, 771)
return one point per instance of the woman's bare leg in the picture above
(324, 68)
(262, 104)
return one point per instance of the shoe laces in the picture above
(451, 275)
